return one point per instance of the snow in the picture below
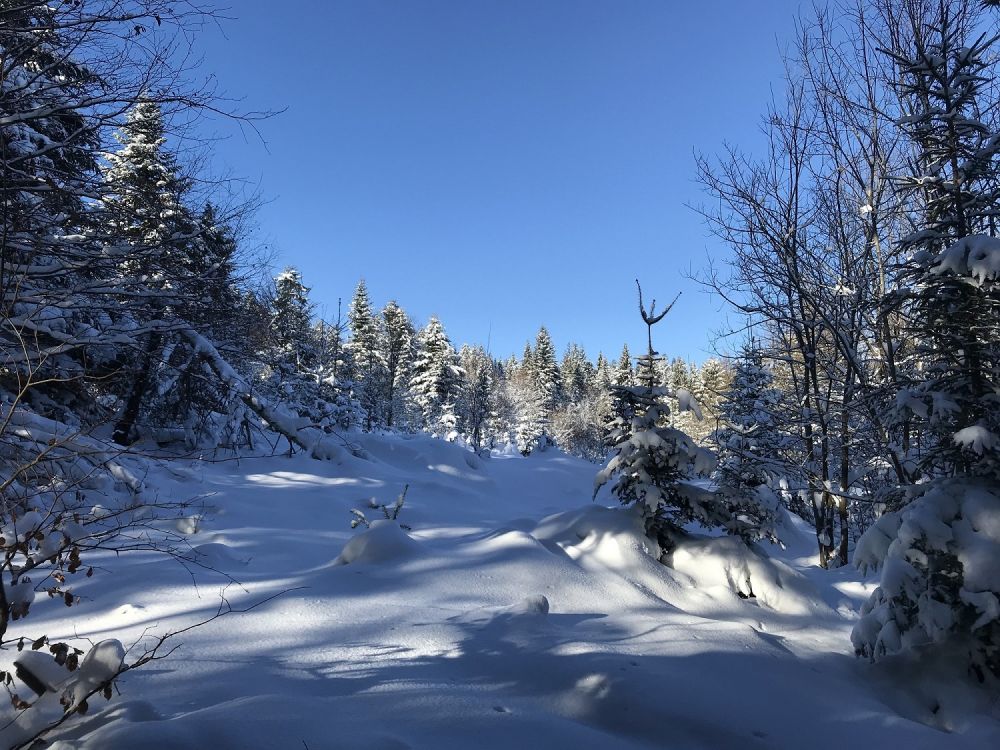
(516, 613)
(976, 438)
(729, 565)
(384, 542)
(976, 257)
(687, 402)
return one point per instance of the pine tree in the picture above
(50, 254)
(145, 209)
(653, 464)
(436, 377)
(532, 422)
(548, 379)
(932, 595)
(397, 355)
(750, 446)
(526, 367)
(477, 392)
(714, 379)
(602, 373)
(214, 299)
(951, 291)
(623, 374)
(366, 355)
(577, 373)
(291, 321)
(333, 372)
(683, 383)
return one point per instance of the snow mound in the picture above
(531, 605)
(384, 542)
(728, 563)
(604, 541)
(609, 537)
(531, 609)
(418, 453)
(188, 524)
(215, 555)
(99, 666)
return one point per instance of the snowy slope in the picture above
(515, 614)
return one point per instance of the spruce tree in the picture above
(933, 595)
(576, 373)
(436, 377)
(602, 373)
(477, 392)
(397, 343)
(950, 291)
(145, 208)
(50, 249)
(750, 446)
(623, 374)
(366, 355)
(214, 302)
(546, 373)
(291, 321)
(653, 464)
(532, 421)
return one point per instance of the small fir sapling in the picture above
(653, 463)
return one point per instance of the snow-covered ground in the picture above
(515, 614)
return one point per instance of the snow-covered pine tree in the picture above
(683, 383)
(622, 373)
(48, 164)
(305, 380)
(502, 420)
(188, 393)
(578, 424)
(602, 373)
(750, 444)
(653, 464)
(366, 355)
(576, 373)
(545, 370)
(397, 342)
(526, 367)
(144, 209)
(214, 303)
(333, 372)
(477, 392)
(715, 379)
(436, 377)
(291, 321)
(532, 421)
(939, 589)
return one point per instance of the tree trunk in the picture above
(131, 412)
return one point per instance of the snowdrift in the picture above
(514, 613)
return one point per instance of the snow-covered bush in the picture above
(64, 495)
(389, 512)
(940, 582)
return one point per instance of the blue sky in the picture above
(501, 164)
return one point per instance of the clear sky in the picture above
(502, 164)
